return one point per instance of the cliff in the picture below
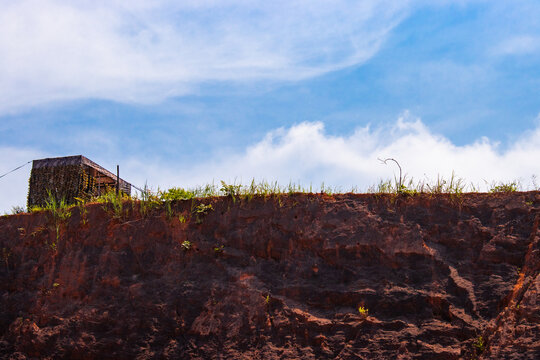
(281, 277)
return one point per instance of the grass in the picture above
(231, 190)
(59, 212)
(405, 186)
(58, 209)
(453, 186)
(113, 203)
(17, 210)
(149, 201)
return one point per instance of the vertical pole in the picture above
(117, 180)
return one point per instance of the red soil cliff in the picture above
(277, 278)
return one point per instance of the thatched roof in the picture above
(78, 160)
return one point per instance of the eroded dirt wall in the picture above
(277, 278)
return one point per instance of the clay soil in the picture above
(280, 277)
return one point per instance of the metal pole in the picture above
(117, 180)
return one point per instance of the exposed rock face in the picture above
(277, 278)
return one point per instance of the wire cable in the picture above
(141, 190)
(17, 168)
(26, 163)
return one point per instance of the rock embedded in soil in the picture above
(280, 277)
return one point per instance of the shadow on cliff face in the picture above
(281, 277)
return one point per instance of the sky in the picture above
(187, 93)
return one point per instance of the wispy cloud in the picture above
(54, 50)
(518, 45)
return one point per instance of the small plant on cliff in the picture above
(38, 231)
(202, 210)
(363, 311)
(6, 253)
(479, 345)
(186, 245)
(168, 209)
(81, 205)
(182, 218)
(218, 249)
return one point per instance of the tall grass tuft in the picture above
(113, 203)
(59, 212)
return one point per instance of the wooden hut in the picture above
(68, 178)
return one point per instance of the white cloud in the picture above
(146, 51)
(305, 153)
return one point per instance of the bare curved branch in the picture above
(399, 166)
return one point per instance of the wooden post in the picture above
(117, 180)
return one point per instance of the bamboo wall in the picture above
(69, 178)
(62, 181)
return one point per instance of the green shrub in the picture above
(504, 188)
(176, 194)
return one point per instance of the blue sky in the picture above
(303, 91)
